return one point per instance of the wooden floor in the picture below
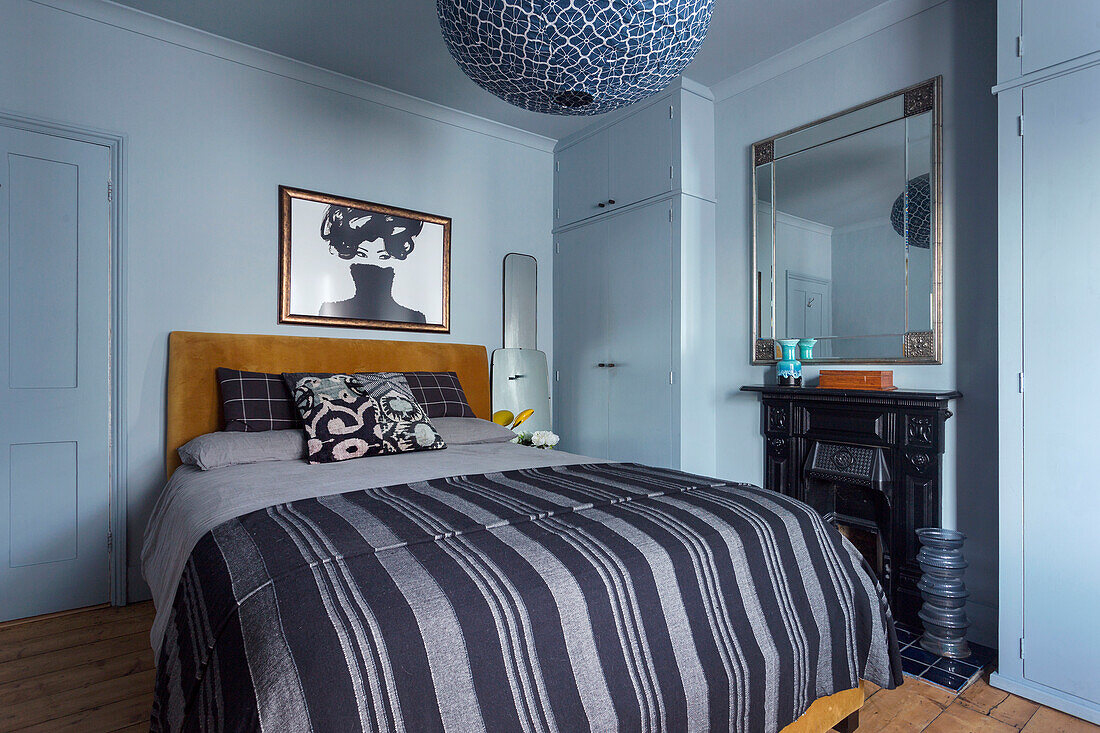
(92, 671)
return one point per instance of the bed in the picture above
(488, 586)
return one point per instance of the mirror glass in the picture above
(520, 296)
(846, 234)
(520, 381)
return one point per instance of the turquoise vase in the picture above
(806, 349)
(788, 370)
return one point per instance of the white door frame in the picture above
(116, 485)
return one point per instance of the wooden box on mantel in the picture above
(880, 379)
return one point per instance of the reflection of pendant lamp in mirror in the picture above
(916, 199)
(573, 57)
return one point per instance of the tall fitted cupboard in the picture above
(1049, 173)
(633, 333)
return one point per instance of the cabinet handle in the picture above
(601, 204)
(601, 365)
(612, 364)
(611, 201)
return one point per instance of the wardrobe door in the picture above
(580, 340)
(1058, 30)
(581, 179)
(640, 312)
(641, 155)
(1061, 187)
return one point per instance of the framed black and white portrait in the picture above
(344, 262)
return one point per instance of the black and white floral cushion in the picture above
(353, 415)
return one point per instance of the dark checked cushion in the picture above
(354, 415)
(254, 402)
(439, 393)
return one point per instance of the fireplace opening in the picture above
(865, 539)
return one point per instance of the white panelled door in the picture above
(54, 377)
(580, 339)
(640, 333)
(1061, 274)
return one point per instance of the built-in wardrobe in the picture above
(1048, 97)
(634, 284)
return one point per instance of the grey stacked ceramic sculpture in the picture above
(944, 593)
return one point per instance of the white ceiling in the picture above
(397, 43)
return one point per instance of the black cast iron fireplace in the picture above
(869, 463)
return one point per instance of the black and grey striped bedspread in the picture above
(597, 596)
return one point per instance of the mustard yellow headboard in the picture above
(194, 404)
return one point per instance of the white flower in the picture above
(544, 439)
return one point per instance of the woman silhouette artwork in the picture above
(355, 233)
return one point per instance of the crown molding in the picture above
(865, 24)
(782, 217)
(177, 34)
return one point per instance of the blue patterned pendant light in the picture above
(917, 199)
(573, 57)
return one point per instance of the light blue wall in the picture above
(955, 39)
(208, 141)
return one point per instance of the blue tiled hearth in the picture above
(953, 674)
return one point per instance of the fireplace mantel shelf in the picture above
(866, 395)
(869, 462)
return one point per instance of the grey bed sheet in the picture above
(195, 501)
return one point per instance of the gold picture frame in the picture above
(394, 263)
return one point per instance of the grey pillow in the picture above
(471, 430)
(215, 450)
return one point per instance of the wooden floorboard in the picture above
(92, 672)
(72, 678)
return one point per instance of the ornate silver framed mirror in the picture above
(847, 234)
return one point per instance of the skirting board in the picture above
(1048, 696)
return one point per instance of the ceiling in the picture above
(397, 43)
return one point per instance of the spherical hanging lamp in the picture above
(573, 57)
(916, 203)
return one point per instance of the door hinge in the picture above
(1022, 647)
(557, 248)
(671, 112)
(110, 540)
(557, 375)
(672, 377)
(1020, 385)
(110, 191)
(1020, 125)
(671, 168)
(557, 213)
(557, 165)
(670, 214)
(1019, 47)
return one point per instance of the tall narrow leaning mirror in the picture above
(519, 374)
(847, 234)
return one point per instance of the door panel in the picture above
(48, 272)
(641, 155)
(582, 179)
(1050, 39)
(1061, 295)
(43, 494)
(640, 331)
(54, 347)
(580, 340)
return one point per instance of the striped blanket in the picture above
(583, 597)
